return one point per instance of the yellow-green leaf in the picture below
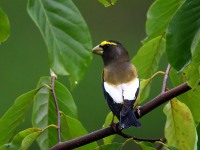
(180, 130)
(190, 98)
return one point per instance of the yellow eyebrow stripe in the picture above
(107, 43)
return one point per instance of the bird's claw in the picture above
(138, 110)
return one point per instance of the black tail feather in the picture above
(129, 120)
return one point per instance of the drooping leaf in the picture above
(159, 16)
(44, 112)
(192, 71)
(15, 115)
(181, 32)
(145, 86)
(180, 130)
(109, 139)
(148, 57)
(24, 139)
(190, 98)
(65, 34)
(112, 146)
(4, 26)
(72, 128)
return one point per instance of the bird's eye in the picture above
(107, 45)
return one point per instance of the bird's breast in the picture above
(120, 73)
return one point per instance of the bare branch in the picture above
(99, 134)
(165, 78)
(53, 78)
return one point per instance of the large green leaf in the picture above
(159, 16)
(44, 112)
(181, 32)
(4, 26)
(66, 36)
(190, 98)
(15, 115)
(148, 57)
(72, 128)
(109, 139)
(24, 139)
(180, 130)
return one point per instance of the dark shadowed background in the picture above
(23, 59)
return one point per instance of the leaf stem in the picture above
(53, 78)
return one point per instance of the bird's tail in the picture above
(129, 120)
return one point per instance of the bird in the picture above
(120, 82)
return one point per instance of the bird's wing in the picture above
(114, 107)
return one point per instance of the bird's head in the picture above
(111, 51)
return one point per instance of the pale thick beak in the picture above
(97, 50)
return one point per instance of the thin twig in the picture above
(165, 78)
(53, 78)
(99, 134)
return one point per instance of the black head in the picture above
(111, 51)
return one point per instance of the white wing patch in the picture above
(123, 91)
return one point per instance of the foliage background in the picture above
(23, 59)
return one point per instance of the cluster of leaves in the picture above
(172, 27)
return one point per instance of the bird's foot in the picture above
(138, 110)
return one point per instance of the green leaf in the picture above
(192, 71)
(109, 139)
(113, 146)
(72, 128)
(180, 129)
(15, 115)
(181, 32)
(4, 26)
(107, 3)
(159, 16)
(146, 145)
(24, 139)
(44, 112)
(190, 98)
(145, 86)
(148, 57)
(65, 34)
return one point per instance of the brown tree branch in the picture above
(99, 134)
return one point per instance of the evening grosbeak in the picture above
(120, 82)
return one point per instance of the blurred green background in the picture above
(24, 59)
